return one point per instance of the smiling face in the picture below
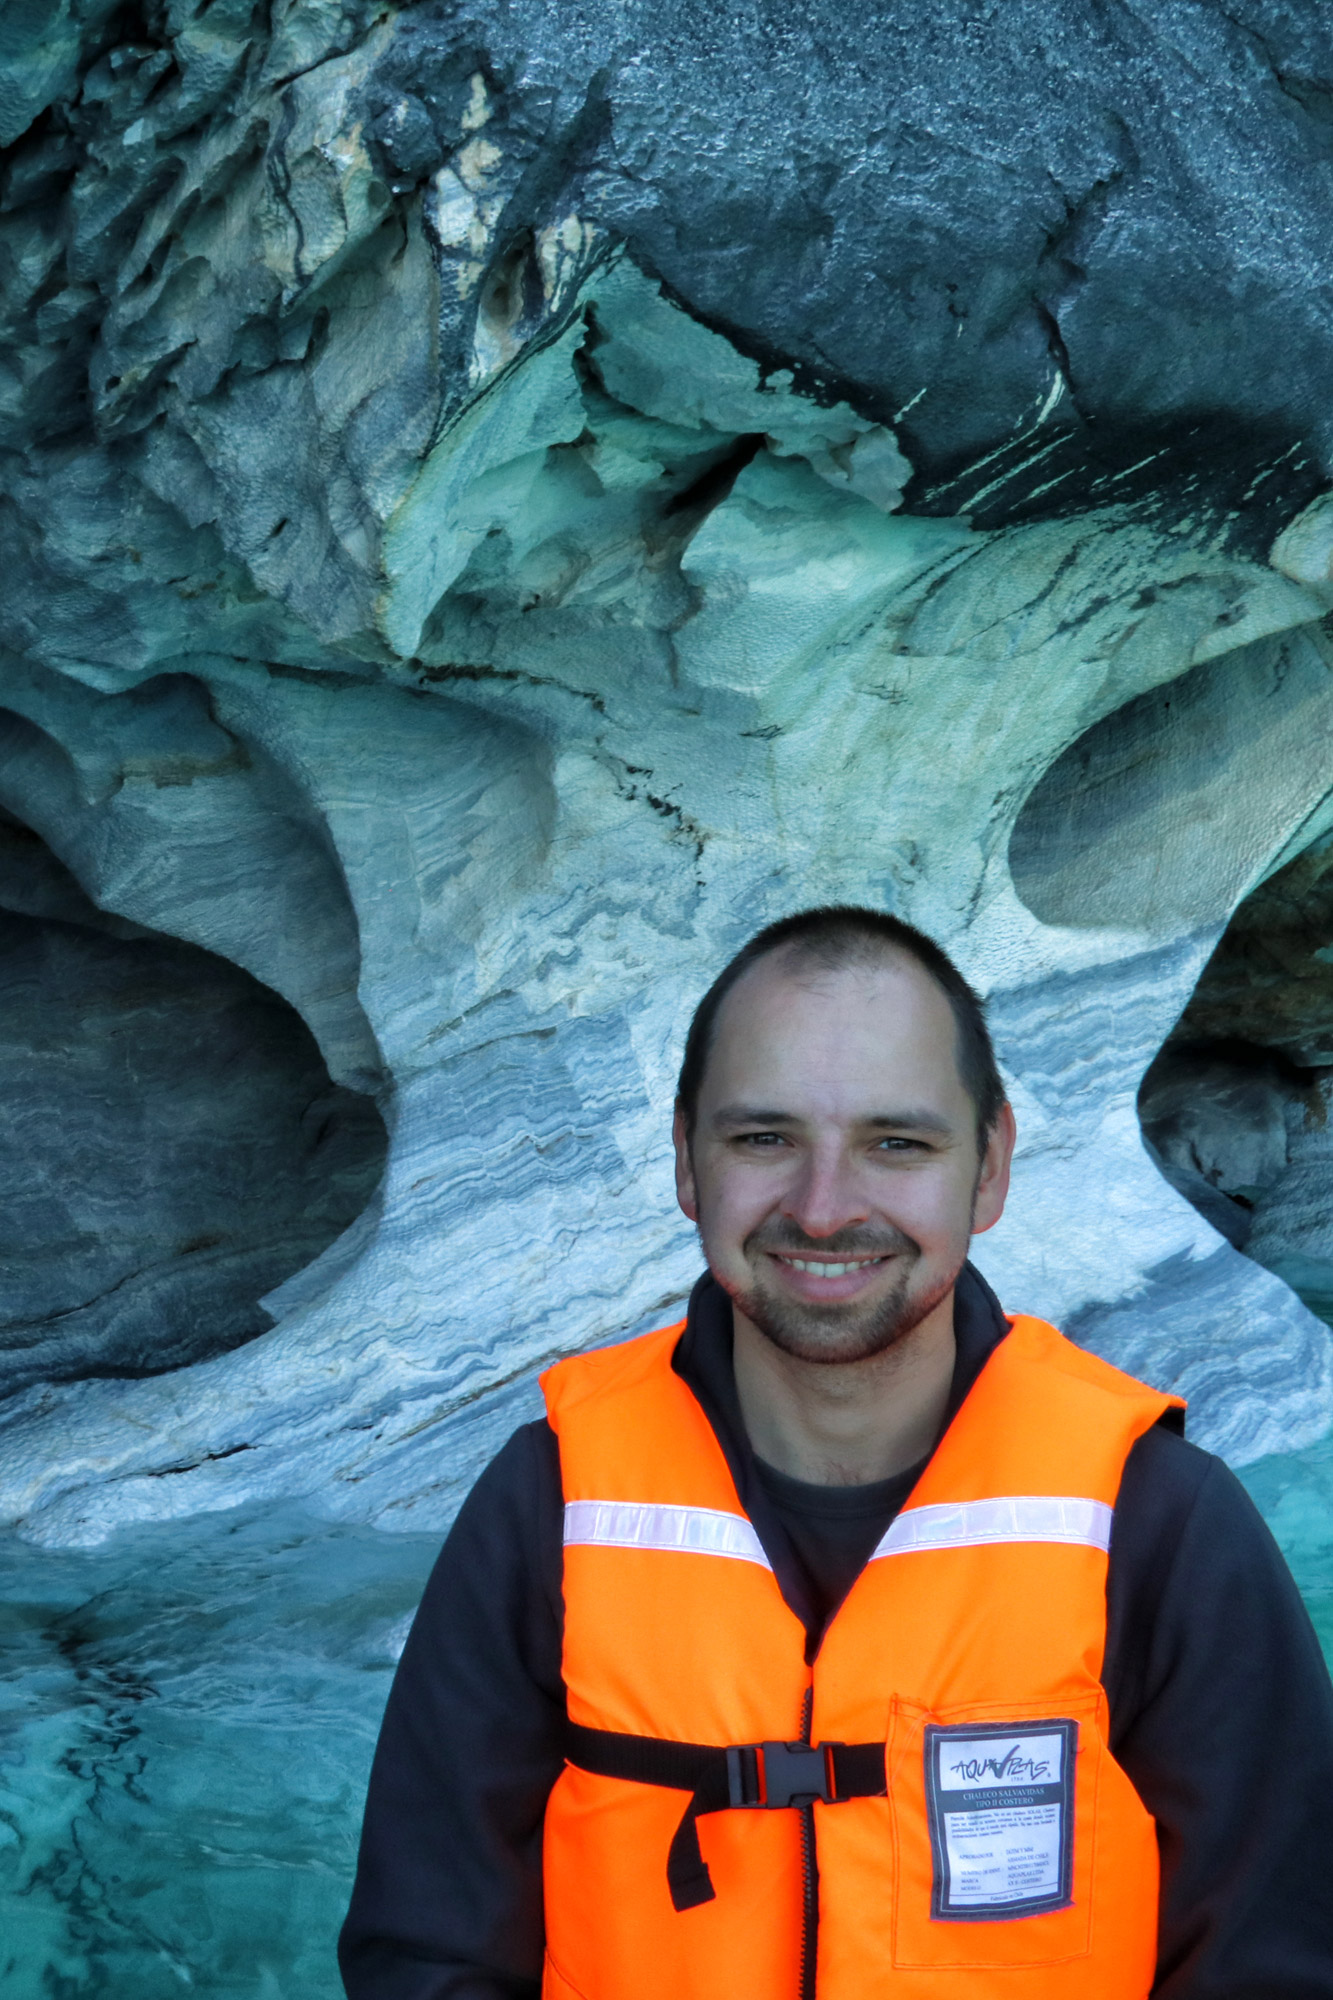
(834, 1169)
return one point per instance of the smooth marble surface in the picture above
(458, 571)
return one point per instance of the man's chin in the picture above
(838, 1334)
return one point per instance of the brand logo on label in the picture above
(1011, 1769)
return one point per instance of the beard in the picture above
(842, 1331)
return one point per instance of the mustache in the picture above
(785, 1239)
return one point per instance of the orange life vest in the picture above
(1007, 1853)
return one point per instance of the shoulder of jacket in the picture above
(604, 1371)
(1044, 1344)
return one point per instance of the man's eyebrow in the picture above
(913, 1119)
(909, 1121)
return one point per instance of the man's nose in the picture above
(826, 1196)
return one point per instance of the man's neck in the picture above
(847, 1423)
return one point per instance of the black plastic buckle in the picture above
(774, 1775)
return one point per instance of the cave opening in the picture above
(1235, 1106)
(176, 1146)
(1150, 821)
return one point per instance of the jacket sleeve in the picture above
(1222, 1716)
(447, 1903)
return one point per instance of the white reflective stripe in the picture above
(1013, 1517)
(632, 1524)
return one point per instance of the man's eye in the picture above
(765, 1139)
(896, 1144)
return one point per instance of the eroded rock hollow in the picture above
(178, 1148)
(497, 507)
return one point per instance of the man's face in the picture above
(834, 1171)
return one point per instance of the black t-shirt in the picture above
(1220, 1705)
(833, 1529)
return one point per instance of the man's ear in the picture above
(993, 1180)
(685, 1190)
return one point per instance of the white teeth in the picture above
(823, 1270)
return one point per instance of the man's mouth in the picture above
(824, 1267)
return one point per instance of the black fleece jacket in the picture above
(1221, 1708)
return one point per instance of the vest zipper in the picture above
(809, 1872)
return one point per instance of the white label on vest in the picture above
(1001, 1806)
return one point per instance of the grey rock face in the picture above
(1054, 248)
(497, 506)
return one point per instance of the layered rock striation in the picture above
(497, 508)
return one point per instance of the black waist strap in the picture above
(739, 1778)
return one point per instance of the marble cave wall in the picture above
(499, 502)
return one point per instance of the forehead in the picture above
(790, 1023)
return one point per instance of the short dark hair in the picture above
(837, 935)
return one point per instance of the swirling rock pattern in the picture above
(499, 506)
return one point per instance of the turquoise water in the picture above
(187, 1716)
(1294, 1493)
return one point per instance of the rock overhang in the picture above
(596, 533)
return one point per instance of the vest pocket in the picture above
(994, 1813)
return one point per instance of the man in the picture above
(787, 1656)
